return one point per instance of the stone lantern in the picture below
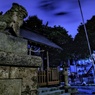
(65, 73)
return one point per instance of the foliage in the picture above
(81, 49)
(60, 36)
(33, 23)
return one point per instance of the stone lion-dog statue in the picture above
(13, 18)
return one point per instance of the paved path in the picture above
(85, 90)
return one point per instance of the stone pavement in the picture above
(50, 91)
(53, 91)
(85, 90)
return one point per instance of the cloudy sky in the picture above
(65, 13)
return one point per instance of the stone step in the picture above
(54, 92)
(46, 89)
(66, 94)
(50, 91)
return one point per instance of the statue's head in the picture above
(13, 18)
(20, 9)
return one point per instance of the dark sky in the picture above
(65, 13)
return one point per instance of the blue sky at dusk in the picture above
(65, 13)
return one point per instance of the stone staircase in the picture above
(51, 91)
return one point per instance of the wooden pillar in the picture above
(47, 60)
(42, 65)
(47, 68)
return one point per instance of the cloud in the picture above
(47, 5)
(61, 13)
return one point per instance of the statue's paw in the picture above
(7, 32)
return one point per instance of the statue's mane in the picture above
(13, 18)
(17, 8)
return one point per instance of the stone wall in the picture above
(10, 86)
(16, 67)
(27, 76)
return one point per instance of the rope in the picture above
(38, 50)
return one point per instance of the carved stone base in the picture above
(12, 59)
(13, 44)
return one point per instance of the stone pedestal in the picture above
(12, 44)
(66, 85)
(16, 65)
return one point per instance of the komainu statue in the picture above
(13, 18)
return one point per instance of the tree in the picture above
(33, 23)
(80, 41)
(59, 35)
